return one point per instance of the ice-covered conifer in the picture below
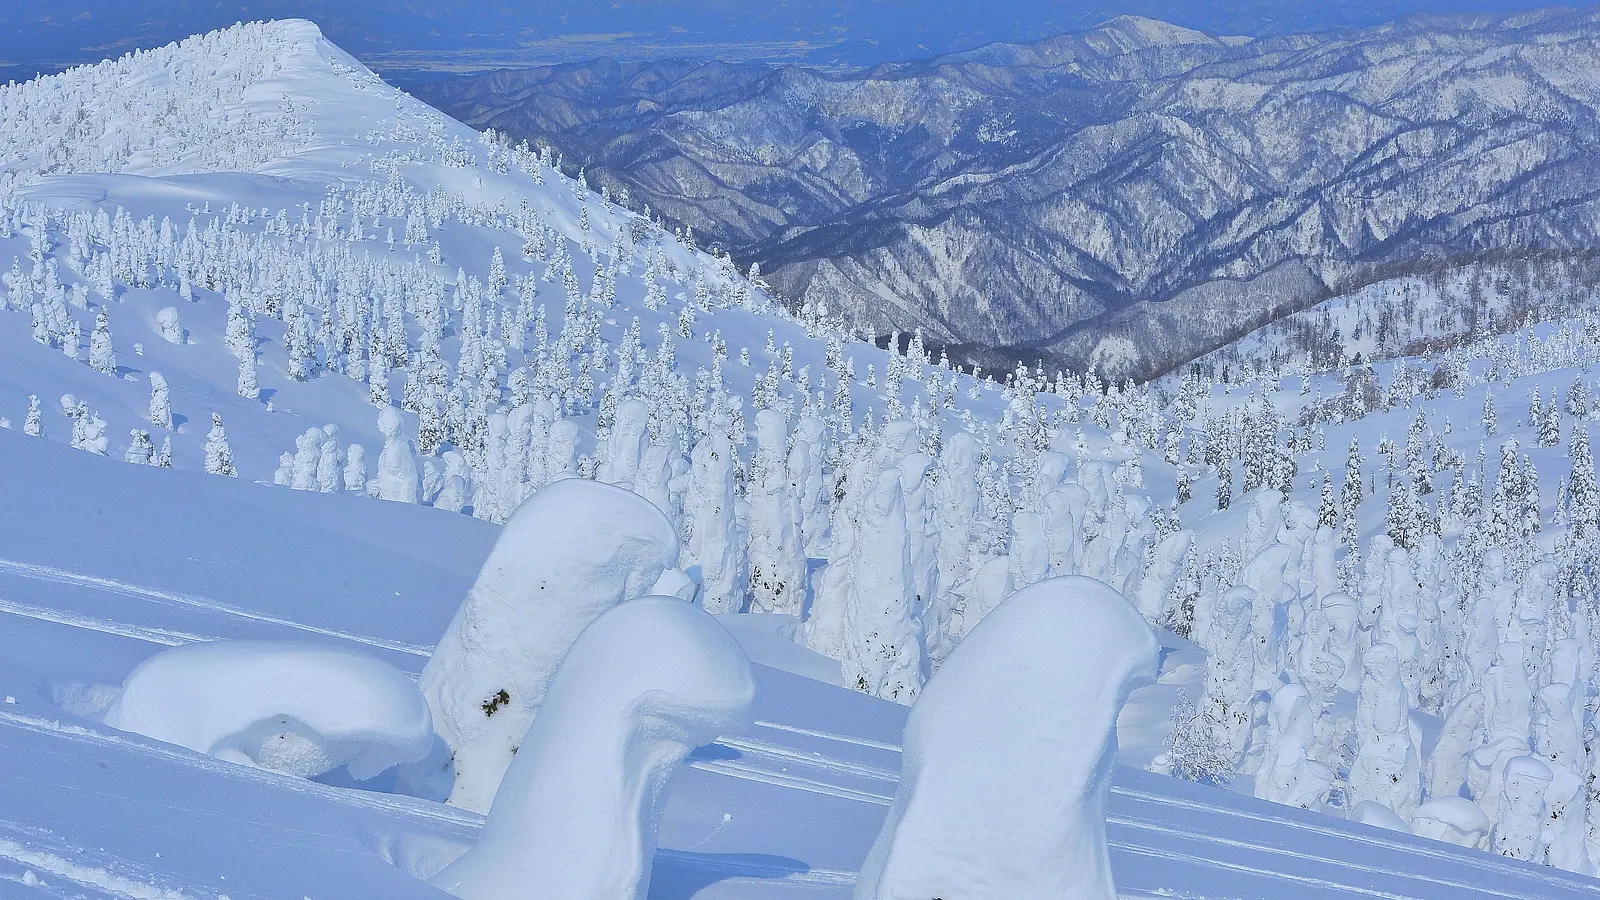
(808, 483)
(569, 553)
(298, 341)
(826, 628)
(397, 475)
(955, 506)
(777, 559)
(219, 457)
(1520, 831)
(33, 425)
(1558, 741)
(1490, 426)
(883, 656)
(239, 335)
(1288, 774)
(561, 458)
(455, 490)
(160, 402)
(307, 455)
(247, 386)
(1583, 494)
(1386, 769)
(578, 811)
(355, 469)
(101, 357)
(169, 326)
(1155, 588)
(378, 381)
(163, 457)
(714, 543)
(1446, 770)
(624, 445)
(330, 461)
(140, 451)
(283, 475)
(1010, 815)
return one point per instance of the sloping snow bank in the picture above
(1008, 753)
(578, 811)
(570, 552)
(298, 709)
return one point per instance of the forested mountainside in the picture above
(1131, 196)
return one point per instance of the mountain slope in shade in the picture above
(1131, 196)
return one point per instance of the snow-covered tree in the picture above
(160, 402)
(777, 559)
(884, 656)
(101, 357)
(247, 386)
(219, 456)
(140, 451)
(398, 479)
(33, 425)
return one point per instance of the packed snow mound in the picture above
(578, 811)
(298, 709)
(1008, 753)
(573, 550)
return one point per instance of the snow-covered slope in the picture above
(295, 246)
(105, 564)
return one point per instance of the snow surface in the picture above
(578, 811)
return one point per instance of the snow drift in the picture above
(298, 709)
(569, 553)
(576, 815)
(1008, 753)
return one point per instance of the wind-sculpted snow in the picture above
(569, 553)
(578, 812)
(298, 709)
(1009, 753)
(1132, 196)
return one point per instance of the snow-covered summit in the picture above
(1130, 34)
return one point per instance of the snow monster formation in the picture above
(573, 550)
(578, 811)
(1009, 750)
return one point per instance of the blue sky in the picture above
(403, 36)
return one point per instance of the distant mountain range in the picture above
(411, 40)
(1132, 196)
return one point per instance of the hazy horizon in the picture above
(412, 40)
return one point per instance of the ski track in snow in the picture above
(397, 804)
(44, 865)
(829, 735)
(418, 811)
(1165, 833)
(841, 767)
(161, 636)
(190, 601)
